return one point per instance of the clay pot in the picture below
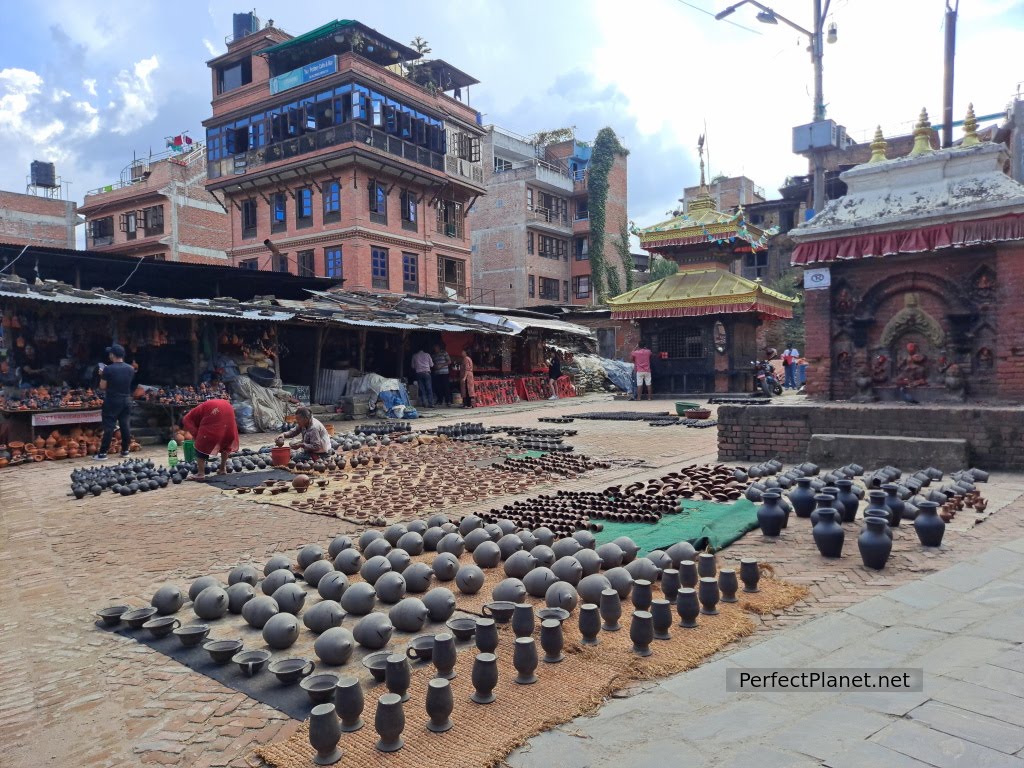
(348, 562)
(847, 502)
(591, 587)
(642, 568)
(243, 573)
(641, 632)
(484, 677)
(445, 566)
(409, 615)
(316, 571)
(750, 574)
(439, 704)
(167, 600)
(238, 595)
(373, 631)
(281, 631)
(552, 640)
(259, 610)
(620, 580)
(324, 734)
(338, 543)
(276, 580)
(873, 543)
(469, 579)
(290, 598)
(440, 603)
(348, 702)
(642, 595)
(453, 544)
(771, 515)
(680, 551)
(411, 543)
(590, 624)
(728, 584)
(511, 590)
(323, 616)
(211, 603)
(374, 568)
(301, 483)
(487, 554)
(929, 527)
(538, 580)
(334, 646)
(310, 553)
(661, 619)
(359, 599)
(389, 722)
(200, 584)
(377, 548)
(828, 533)
(688, 607)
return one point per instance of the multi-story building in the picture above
(40, 216)
(727, 193)
(531, 236)
(341, 153)
(160, 209)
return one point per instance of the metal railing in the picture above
(548, 216)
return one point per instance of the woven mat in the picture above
(484, 734)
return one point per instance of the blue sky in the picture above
(87, 83)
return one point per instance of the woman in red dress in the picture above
(214, 430)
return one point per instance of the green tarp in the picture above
(702, 523)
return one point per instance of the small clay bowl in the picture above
(462, 628)
(162, 626)
(135, 619)
(242, 490)
(291, 670)
(251, 662)
(221, 651)
(112, 616)
(258, 490)
(499, 610)
(558, 614)
(377, 663)
(192, 635)
(421, 648)
(320, 688)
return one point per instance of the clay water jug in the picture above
(873, 543)
(802, 497)
(847, 501)
(928, 525)
(770, 515)
(828, 534)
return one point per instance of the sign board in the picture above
(65, 417)
(306, 74)
(817, 278)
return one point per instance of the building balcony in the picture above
(579, 183)
(543, 174)
(548, 221)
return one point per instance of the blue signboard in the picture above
(305, 74)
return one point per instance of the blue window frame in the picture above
(279, 223)
(304, 204)
(332, 201)
(379, 267)
(333, 262)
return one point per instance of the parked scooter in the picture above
(765, 378)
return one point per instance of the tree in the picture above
(420, 45)
(662, 268)
(606, 149)
(782, 332)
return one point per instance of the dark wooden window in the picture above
(379, 267)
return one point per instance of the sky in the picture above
(87, 84)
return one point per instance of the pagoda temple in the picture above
(702, 322)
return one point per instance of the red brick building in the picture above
(36, 220)
(160, 209)
(341, 153)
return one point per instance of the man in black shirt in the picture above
(116, 382)
(554, 374)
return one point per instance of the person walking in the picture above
(554, 374)
(790, 356)
(466, 381)
(215, 431)
(422, 363)
(641, 357)
(440, 377)
(116, 383)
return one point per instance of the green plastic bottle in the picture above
(172, 454)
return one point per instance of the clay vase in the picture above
(348, 703)
(706, 564)
(324, 734)
(445, 655)
(894, 503)
(802, 497)
(373, 631)
(642, 594)
(709, 595)
(873, 543)
(750, 574)
(167, 600)
(440, 603)
(397, 675)
(486, 635)
(334, 646)
(316, 571)
(523, 620)
(847, 501)
(211, 603)
(728, 584)
(332, 586)
(238, 595)
(828, 534)
(688, 607)
(670, 583)
(348, 562)
(290, 598)
(275, 580)
(258, 611)
(524, 659)
(590, 624)
(484, 677)
(641, 632)
(611, 610)
(589, 560)
(928, 525)
(552, 640)
(445, 566)
(661, 619)
(771, 515)
(440, 703)
(202, 583)
(538, 580)
(323, 616)
(389, 723)
(281, 631)
(688, 574)
(562, 595)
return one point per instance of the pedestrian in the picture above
(214, 431)
(801, 370)
(790, 355)
(313, 438)
(554, 374)
(422, 362)
(467, 383)
(641, 357)
(116, 383)
(440, 377)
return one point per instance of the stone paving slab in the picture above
(940, 749)
(972, 727)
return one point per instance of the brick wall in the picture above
(32, 220)
(499, 239)
(995, 435)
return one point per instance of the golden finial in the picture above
(970, 128)
(878, 147)
(700, 151)
(922, 135)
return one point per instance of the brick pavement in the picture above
(114, 702)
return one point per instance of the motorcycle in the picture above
(766, 378)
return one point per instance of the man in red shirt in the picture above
(641, 357)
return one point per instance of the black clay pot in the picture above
(894, 503)
(828, 534)
(873, 543)
(771, 515)
(688, 607)
(802, 498)
(929, 526)
(847, 501)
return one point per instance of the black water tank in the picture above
(43, 174)
(244, 24)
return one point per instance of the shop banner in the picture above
(306, 74)
(65, 417)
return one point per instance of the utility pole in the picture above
(817, 52)
(947, 84)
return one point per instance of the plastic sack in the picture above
(245, 419)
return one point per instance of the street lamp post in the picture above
(768, 16)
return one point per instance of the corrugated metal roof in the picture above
(65, 298)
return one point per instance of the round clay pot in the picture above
(629, 549)
(309, 554)
(348, 562)
(276, 580)
(511, 590)
(243, 573)
(475, 538)
(323, 616)
(418, 577)
(453, 544)
(377, 548)
(440, 603)
(620, 580)
(390, 587)
(567, 569)
(544, 555)
(211, 603)
(338, 544)
(680, 551)
(167, 600)
(301, 483)
(200, 584)
(374, 568)
(610, 554)
(661, 559)
(290, 598)
(368, 536)
(238, 595)
(508, 545)
(445, 566)
(487, 554)
(411, 543)
(642, 568)
(409, 614)
(359, 598)
(591, 587)
(332, 585)
(519, 564)
(565, 547)
(431, 538)
(562, 595)
(316, 571)
(281, 631)
(590, 561)
(538, 580)
(334, 646)
(258, 611)
(394, 533)
(373, 631)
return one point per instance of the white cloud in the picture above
(17, 87)
(211, 48)
(91, 124)
(138, 99)
(90, 85)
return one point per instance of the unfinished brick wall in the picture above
(995, 435)
(32, 220)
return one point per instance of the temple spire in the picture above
(922, 135)
(878, 147)
(970, 128)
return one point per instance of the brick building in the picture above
(341, 153)
(728, 194)
(36, 220)
(531, 235)
(160, 209)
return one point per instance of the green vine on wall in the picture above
(626, 254)
(606, 148)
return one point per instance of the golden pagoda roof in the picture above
(700, 292)
(703, 223)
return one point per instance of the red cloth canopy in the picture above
(957, 234)
(770, 310)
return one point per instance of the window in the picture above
(378, 195)
(332, 201)
(307, 267)
(531, 291)
(682, 343)
(234, 75)
(102, 230)
(281, 262)
(465, 146)
(279, 222)
(249, 264)
(529, 199)
(582, 211)
(153, 220)
(332, 262)
(755, 265)
(553, 247)
(379, 266)
(451, 276)
(549, 288)
(249, 218)
(450, 218)
(410, 273)
(529, 243)
(565, 290)
(581, 248)
(159, 257)
(410, 210)
(581, 286)
(501, 165)
(127, 222)
(304, 207)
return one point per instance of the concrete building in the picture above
(36, 220)
(342, 153)
(160, 209)
(727, 193)
(531, 236)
